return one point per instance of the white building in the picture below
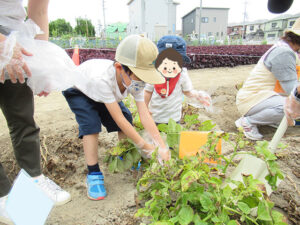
(155, 18)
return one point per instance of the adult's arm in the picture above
(282, 63)
(38, 12)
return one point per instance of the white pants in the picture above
(269, 111)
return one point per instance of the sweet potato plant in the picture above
(190, 191)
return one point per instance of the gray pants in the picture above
(269, 111)
(16, 102)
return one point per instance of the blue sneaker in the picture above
(137, 168)
(95, 186)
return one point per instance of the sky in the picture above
(117, 10)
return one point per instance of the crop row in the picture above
(245, 50)
(201, 56)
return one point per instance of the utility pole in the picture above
(104, 24)
(200, 9)
(86, 27)
(245, 17)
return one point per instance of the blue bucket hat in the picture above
(175, 42)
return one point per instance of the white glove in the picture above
(203, 98)
(11, 59)
(292, 109)
(164, 154)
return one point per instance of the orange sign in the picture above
(191, 143)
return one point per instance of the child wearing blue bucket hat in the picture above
(165, 100)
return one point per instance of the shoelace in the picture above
(53, 185)
(49, 186)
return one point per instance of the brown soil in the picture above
(63, 158)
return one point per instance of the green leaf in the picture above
(262, 212)
(206, 202)
(215, 219)
(241, 143)
(232, 222)
(277, 217)
(207, 125)
(106, 158)
(244, 207)
(120, 165)
(163, 223)
(173, 133)
(251, 201)
(197, 220)
(188, 178)
(113, 165)
(136, 156)
(185, 215)
(128, 161)
(163, 128)
(227, 192)
(215, 180)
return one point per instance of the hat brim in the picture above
(186, 59)
(279, 6)
(295, 31)
(150, 76)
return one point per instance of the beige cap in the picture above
(139, 53)
(295, 28)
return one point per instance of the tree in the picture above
(59, 27)
(84, 27)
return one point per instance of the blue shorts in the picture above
(90, 115)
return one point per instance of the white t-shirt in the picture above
(101, 84)
(163, 109)
(12, 13)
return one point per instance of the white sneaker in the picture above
(4, 218)
(273, 125)
(55, 192)
(249, 130)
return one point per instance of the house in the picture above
(274, 28)
(255, 30)
(155, 18)
(214, 22)
(235, 31)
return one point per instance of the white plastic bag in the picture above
(51, 67)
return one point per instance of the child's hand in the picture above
(43, 93)
(146, 150)
(164, 154)
(203, 97)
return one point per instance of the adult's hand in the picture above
(16, 65)
(292, 109)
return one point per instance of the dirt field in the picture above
(64, 160)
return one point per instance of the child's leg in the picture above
(89, 122)
(90, 147)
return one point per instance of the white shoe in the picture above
(249, 130)
(274, 125)
(52, 190)
(4, 218)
